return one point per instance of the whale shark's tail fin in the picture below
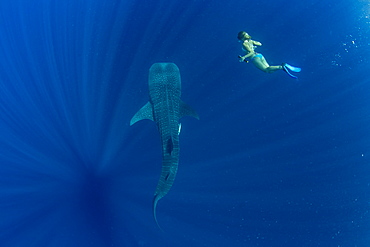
(155, 202)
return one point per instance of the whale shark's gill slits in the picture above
(169, 146)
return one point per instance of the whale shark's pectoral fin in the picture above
(186, 110)
(146, 112)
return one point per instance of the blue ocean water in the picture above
(272, 161)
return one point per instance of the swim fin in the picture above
(287, 68)
(292, 68)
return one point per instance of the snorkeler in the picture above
(258, 59)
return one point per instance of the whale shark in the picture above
(165, 108)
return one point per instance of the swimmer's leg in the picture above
(263, 60)
(258, 62)
(271, 69)
(261, 63)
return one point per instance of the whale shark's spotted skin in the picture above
(166, 109)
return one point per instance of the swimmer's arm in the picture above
(257, 43)
(250, 50)
(246, 56)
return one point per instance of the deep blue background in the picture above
(272, 161)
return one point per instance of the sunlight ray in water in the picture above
(272, 161)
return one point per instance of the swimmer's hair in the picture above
(241, 35)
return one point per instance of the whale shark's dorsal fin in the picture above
(186, 110)
(146, 112)
(169, 147)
